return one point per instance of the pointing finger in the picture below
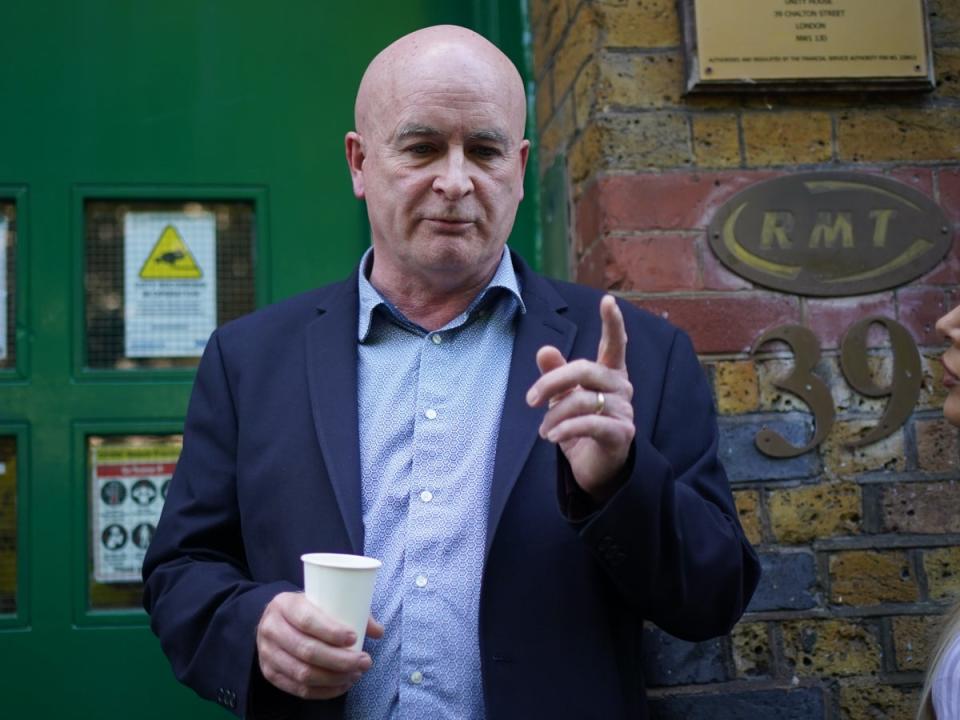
(613, 337)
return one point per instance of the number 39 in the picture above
(904, 389)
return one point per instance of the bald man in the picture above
(534, 486)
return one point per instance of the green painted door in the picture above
(152, 117)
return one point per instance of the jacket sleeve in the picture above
(670, 538)
(203, 604)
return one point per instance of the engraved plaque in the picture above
(830, 234)
(807, 44)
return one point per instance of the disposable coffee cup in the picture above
(341, 586)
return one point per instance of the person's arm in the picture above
(654, 503)
(204, 605)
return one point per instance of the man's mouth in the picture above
(950, 379)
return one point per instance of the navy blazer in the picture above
(270, 469)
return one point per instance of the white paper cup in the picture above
(341, 586)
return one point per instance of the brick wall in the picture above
(861, 548)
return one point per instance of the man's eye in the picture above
(420, 149)
(486, 152)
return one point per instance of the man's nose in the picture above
(453, 177)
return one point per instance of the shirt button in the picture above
(437, 339)
(430, 413)
(426, 495)
(416, 677)
(421, 581)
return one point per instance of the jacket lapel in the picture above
(541, 325)
(332, 382)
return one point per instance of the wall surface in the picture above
(860, 547)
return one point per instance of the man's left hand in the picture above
(590, 413)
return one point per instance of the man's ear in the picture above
(355, 157)
(524, 156)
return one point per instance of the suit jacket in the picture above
(270, 470)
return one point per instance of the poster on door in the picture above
(170, 283)
(129, 487)
(3, 288)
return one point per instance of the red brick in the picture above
(725, 323)
(920, 179)
(590, 267)
(830, 319)
(716, 276)
(919, 308)
(651, 263)
(668, 201)
(950, 193)
(948, 271)
(587, 214)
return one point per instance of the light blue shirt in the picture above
(429, 414)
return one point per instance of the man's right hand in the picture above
(306, 653)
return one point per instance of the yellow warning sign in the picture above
(170, 259)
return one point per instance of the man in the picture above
(535, 487)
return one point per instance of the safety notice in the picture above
(3, 287)
(170, 283)
(128, 490)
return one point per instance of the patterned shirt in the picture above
(429, 412)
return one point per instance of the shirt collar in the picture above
(504, 279)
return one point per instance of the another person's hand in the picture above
(590, 412)
(306, 653)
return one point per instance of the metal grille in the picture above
(8, 524)
(127, 487)
(8, 246)
(105, 275)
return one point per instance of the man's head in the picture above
(438, 153)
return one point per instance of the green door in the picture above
(165, 165)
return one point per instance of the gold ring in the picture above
(601, 404)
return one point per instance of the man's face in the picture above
(442, 173)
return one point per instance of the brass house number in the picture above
(903, 390)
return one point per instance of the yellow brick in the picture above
(585, 95)
(736, 387)
(640, 81)
(547, 33)
(942, 567)
(946, 62)
(640, 23)
(803, 514)
(870, 701)
(748, 508)
(577, 47)
(556, 135)
(868, 577)
(830, 648)
(913, 638)
(932, 392)
(769, 371)
(751, 650)
(945, 21)
(645, 141)
(786, 138)
(716, 140)
(843, 461)
(544, 107)
(901, 135)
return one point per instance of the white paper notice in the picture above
(128, 490)
(3, 287)
(170, 283)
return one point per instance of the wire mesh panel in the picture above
(8, 283)
(128, 479)
(161, 275)
(8, 524)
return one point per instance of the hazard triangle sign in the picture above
(170, 259)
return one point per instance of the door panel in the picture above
(149, 106)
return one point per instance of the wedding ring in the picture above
(601, 404)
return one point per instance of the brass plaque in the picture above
(830, 234)
(853, 42)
